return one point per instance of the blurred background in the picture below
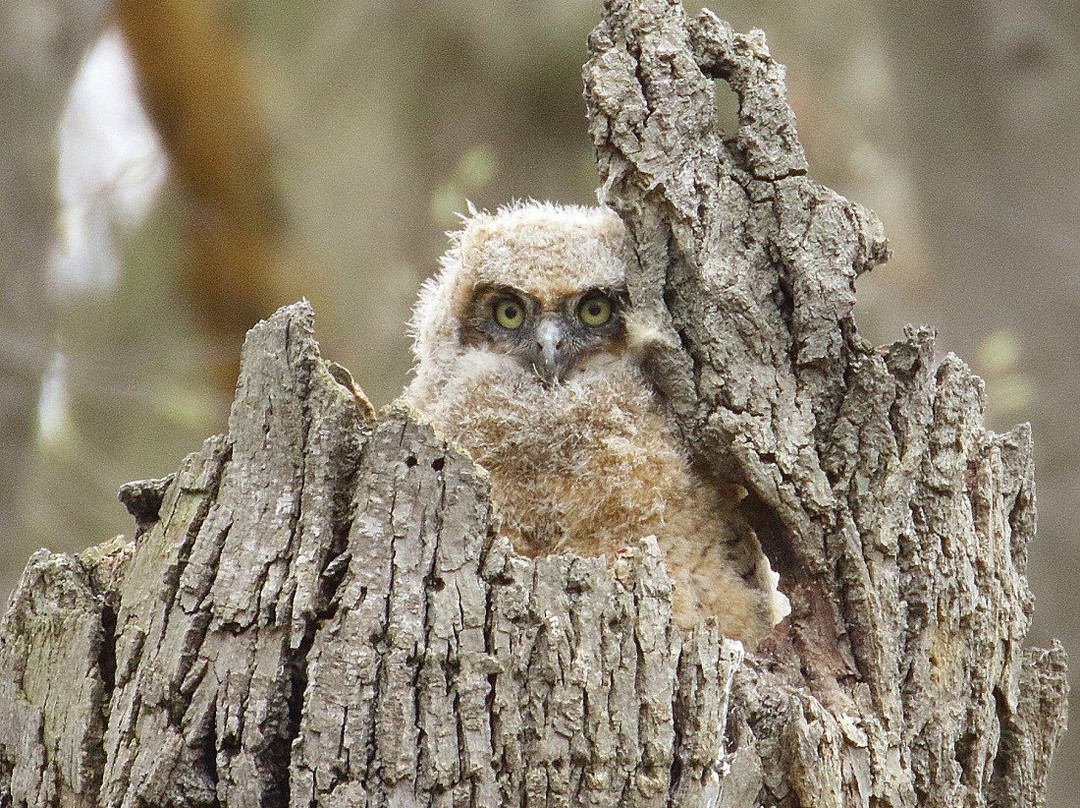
(172, 171)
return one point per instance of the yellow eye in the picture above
(595, 311)
(509, 314)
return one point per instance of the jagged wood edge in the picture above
(899, 523)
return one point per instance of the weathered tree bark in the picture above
(900, 524)
(317, 608)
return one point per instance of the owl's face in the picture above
(535, 287)
(551, 335)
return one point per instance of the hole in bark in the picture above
(575, 586)
(107, 658)
(772, 536)
(228, 743)
(727, 108)
(435, 583)
(500, 579)
(438, 463)
(966, 752)
(411, 461)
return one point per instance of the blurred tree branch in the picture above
(199, 90)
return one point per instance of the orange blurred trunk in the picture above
(199, 91)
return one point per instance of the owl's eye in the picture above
(595, 310)
(509, 314)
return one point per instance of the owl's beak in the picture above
(552, 360)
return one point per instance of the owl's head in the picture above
(540, 284)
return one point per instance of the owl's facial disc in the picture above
(549, 338)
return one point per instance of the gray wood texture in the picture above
(317, 610)
(900, 524)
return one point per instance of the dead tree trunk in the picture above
(317, 610)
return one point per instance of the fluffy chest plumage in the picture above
(586, 465)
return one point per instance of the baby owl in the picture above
(528, 356)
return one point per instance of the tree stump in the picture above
(317, 608)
